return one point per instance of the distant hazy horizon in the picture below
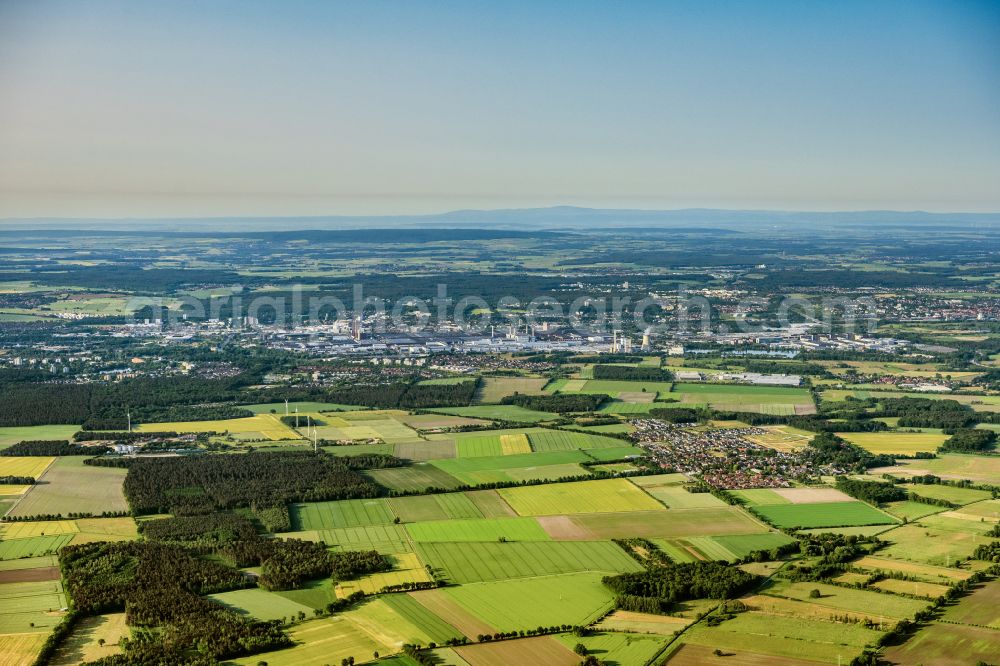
(563, 218)
(184, 109)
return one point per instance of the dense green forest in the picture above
(53, 447)
(560, 402)
(969, 440)
(662, 585)
(873, 492)
(159, 587)
(628, 373)
(205, 483)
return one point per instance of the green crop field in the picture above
(561, 440)
(937, 644)
(445, 381)
(33, 546)
(260, 604)
(493, 443)
(526, 603)
(314, 593)
(511, 413)
(320, 642)
(617, 647)
(482, 529)
(629, 408)
(345, 513)
(911, 510)
(734, 547)
(478, 446)
(676, 497)
(615, 453)
(890, 606)
(610, 428)
(416, 614)
(13, 435)
(829, 514)
(383, 538)
(613, 387)
(416, 477)
(446, 506)
(672, 523)
(935, 540)
(379, 617)
(896, 443)
(982, 403)
(41, 561)
(760, 497)
(989, 509)
(983, 469)
(490, 503)
(476, 471)
(740, 397)
(949, 493)
(604, 496)
(754, 393)
(28, 606)
(476, 562)
(783, 636)
(360, 449)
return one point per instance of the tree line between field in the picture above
(853, 415)
(106, 406)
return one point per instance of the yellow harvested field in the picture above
(796, 608)
(26, 530)
(407, 569)
(604, 496)
(494, 389)
(320, 642)
(24, 466)
(898, 443)
(12, 491)
(261, 426)
(642, 623)
(511, 444)
(811, 495)
(916, 588)
(780, 438)
(105, 529)
(20, 649)
(83, 644)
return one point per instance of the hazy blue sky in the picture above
(204, 108)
